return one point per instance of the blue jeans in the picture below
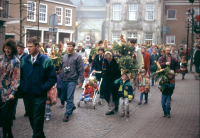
(146, 96)
(166, 102)
(68, 89)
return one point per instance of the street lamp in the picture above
(187, 15)
(76, 26)
(158, 33)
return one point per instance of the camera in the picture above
(67, 69)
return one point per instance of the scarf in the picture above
(143, 81)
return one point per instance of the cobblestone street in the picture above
(145, 121)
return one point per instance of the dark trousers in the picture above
(59, 94)
(146, 96)
(197, 68)
(15, 106)
(36, 111)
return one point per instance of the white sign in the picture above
(87, 38)
(49, 51)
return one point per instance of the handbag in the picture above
(52, 96)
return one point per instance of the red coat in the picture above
(185, 51)
(89, 89)
(146, 57)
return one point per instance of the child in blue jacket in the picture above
(125, 93)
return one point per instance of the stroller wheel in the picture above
(78, 104)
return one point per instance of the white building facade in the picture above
(134, 19)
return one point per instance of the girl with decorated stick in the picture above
(183, 68)
(143, 85)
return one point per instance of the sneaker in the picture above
(110, 113)
(122, 115)
(139, 103)
(61, 106)
(127, 114)
(66, 118)
(47, 118)
(145, 102)
(165, 114)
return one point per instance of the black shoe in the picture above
(14, 117)
(116, 109)
(25, 114)
(165, 114)
(66, 118)
(10, 136)
(74, 108)
(139, 103)
(168, 115)
(110, 113)
(146, 102)
(152, 85)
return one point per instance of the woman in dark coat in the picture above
(110, 72)
(9, 82)
(154, 57)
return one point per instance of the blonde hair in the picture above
(171, 72)
(107, 55)
(143, 71)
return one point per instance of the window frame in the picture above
(45, 13)
(117, 11)
(150, 11)
(198, 11)
(68, 17)
(33, 12)
(132, 35)
(133, 11)
(170, 39)
(171, 18)
(148, 39)
(61, 14)
(115, 38)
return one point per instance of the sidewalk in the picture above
(148, 122)
(145, 121)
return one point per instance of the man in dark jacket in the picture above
(21, 54)
(169, 60)
(154, 57)
(38, 76)
(111, 72)
(72, 69)
(197, 59)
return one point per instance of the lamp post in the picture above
(76, 26)
(192, 44)
(188, 14)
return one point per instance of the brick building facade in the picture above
(65, 10)
(3, 20)
(174, 22)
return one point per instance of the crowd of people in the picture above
(31, 77)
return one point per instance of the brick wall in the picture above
(177, 27)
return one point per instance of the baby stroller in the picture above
(87, 97)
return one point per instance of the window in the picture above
(43, 13)
(116, 37)
(170, 40)
(31, 11)
(68, 17)
(149, 38)
(171, 14)
(149, 11)
(133, 12)
(131, 36)
(196, 12)
(59, 12)
(116, 11)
